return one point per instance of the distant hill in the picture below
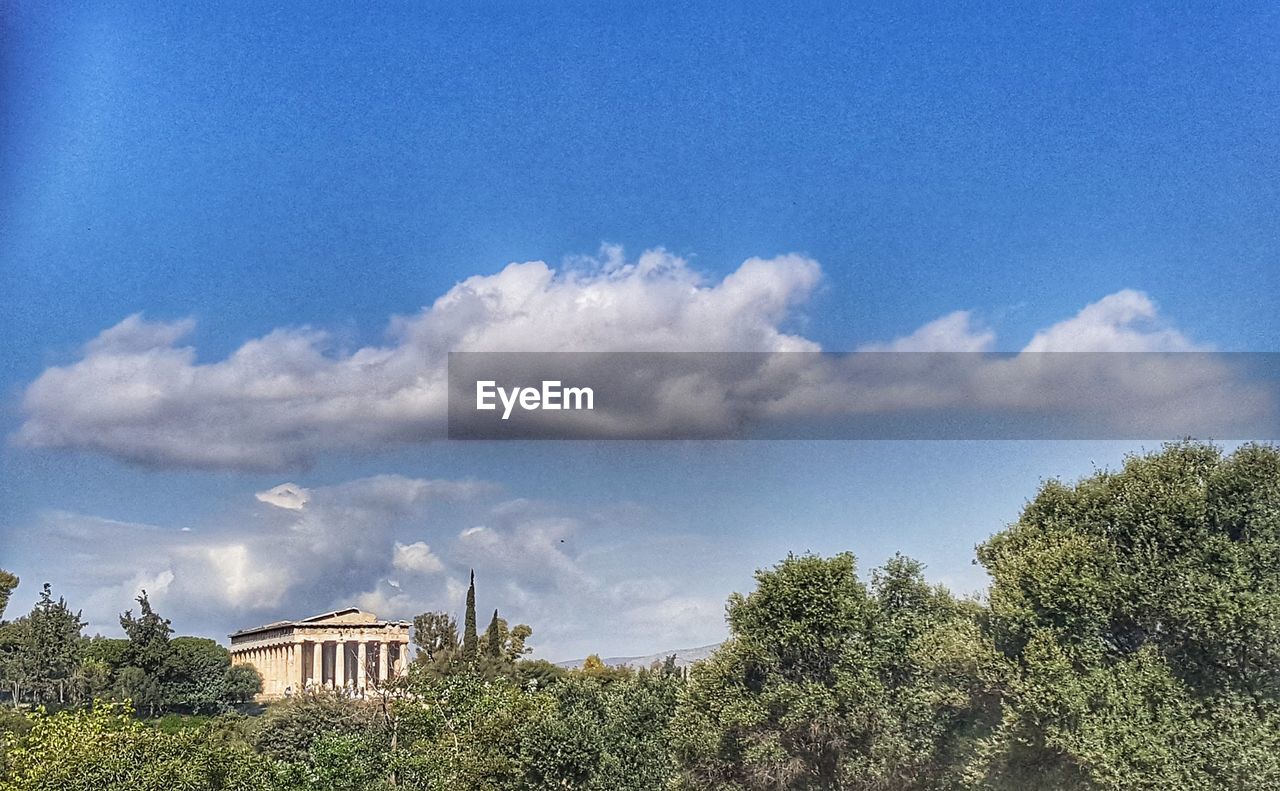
(684, 658)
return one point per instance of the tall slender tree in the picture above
(493, 637)
(469, 637)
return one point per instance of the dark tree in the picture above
(493, 638)
(8, 582)
(469, 638)
(149, 654)
(43, 650)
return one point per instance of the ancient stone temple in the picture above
(345, 649)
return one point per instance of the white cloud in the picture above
(282, 400)
(279, 400)
(136, 335)
(279, 557)
(289, 496)
(954, 332)
(242, 579)
(416, 557)
(395, 546)
(1126, 321)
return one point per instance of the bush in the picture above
(106, 749)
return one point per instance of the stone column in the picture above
(362, 663)
(317, 656)
(383, 658)
(340, 664)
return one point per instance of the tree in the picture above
(43, 650)
(12, 673)
(493, 637)
(141, 689)
(538, 673)
(290, 729)
(470, 640)
(822, 684)
(149, 653)
(515, 647)
(1141, 612)
(436, 635)
(503, 648)
(243, 682)
(8, 582)
(148, 635)
(198, 677)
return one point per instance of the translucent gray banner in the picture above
(863, 395)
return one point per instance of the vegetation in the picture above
(1130, 640)
(442, 653)
(46, 660)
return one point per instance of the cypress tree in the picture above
(469, 638)
(493, 638)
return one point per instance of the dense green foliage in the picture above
(1130, 640)
(45, 659)
(105, 748)
(41, 651)
(1141, 613)
(830, 683)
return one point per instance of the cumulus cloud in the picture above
(276, 402)
(289, 496)
(954, 332)
(280, 401)
(415, 557)
(1126, 321)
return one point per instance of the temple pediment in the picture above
(351, 615)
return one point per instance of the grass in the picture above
(173, 723)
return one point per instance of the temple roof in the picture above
(349, 616)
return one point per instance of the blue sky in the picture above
(310, 165)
